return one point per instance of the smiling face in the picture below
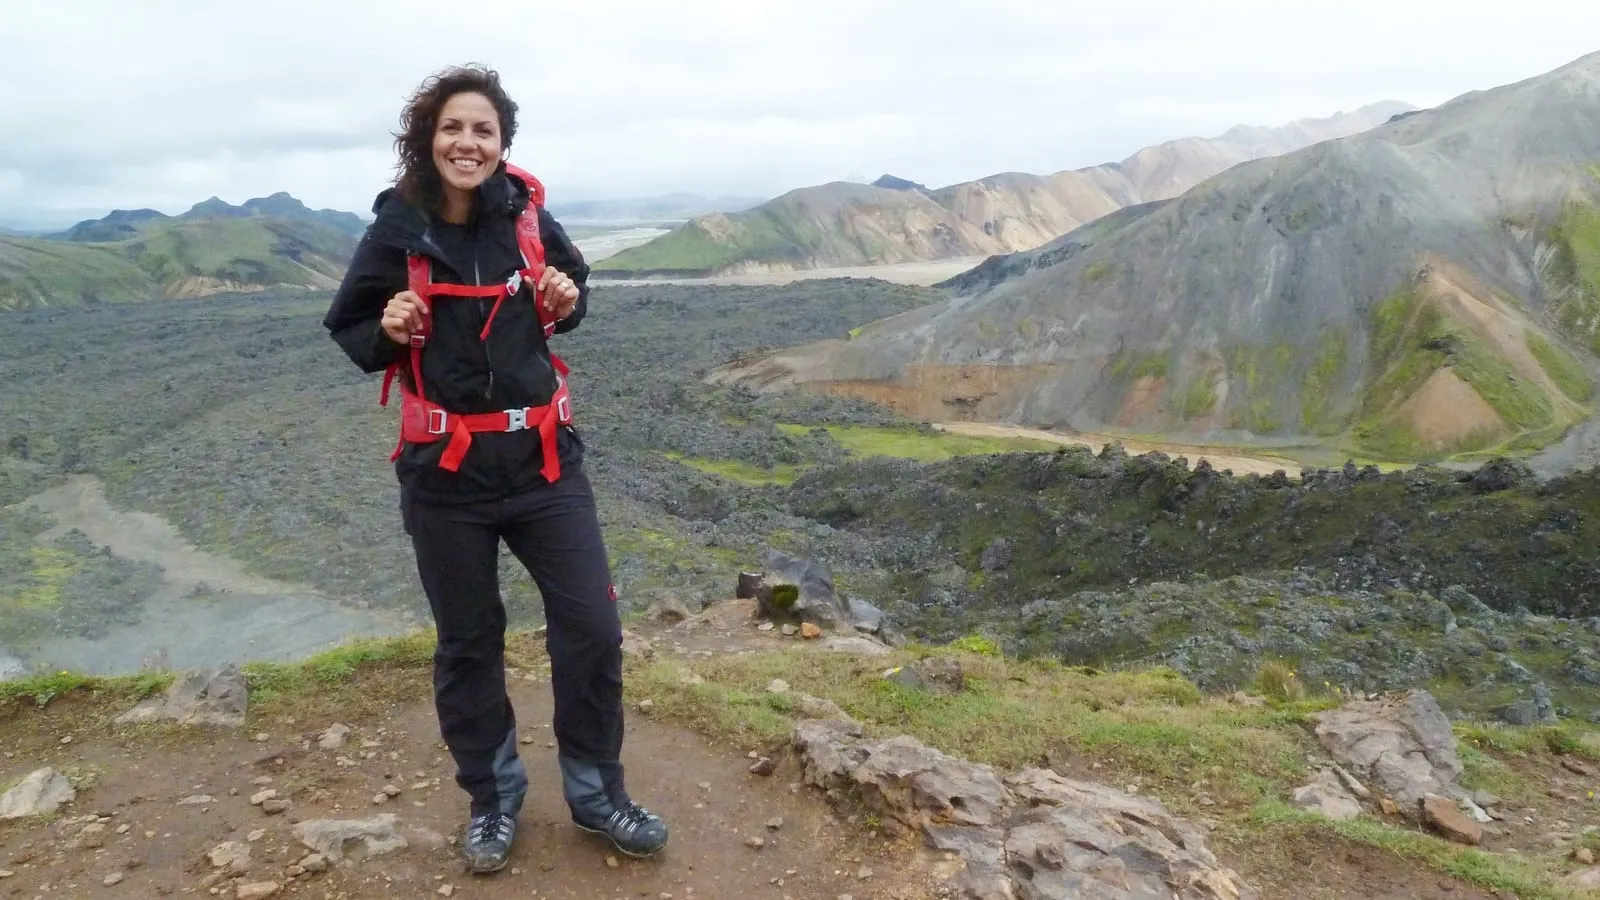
(466, 144)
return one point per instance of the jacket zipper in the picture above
(483, 312)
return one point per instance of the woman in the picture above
(455, 206)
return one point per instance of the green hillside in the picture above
(36, 273)
(274, 242)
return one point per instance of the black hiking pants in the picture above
(554, 531)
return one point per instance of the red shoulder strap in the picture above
(535, 186)
(531, 244)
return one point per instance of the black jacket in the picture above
(460, 372)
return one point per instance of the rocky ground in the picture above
(311, 802)
(337, 787)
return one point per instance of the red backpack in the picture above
(423, 421)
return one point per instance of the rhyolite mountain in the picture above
(215, 247)
(1426, 287)
(896, 220)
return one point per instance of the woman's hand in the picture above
(560, 292)
(403, 316)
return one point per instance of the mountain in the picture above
(215, 247)
(1431, 286)
(895, 220)
(122, 223)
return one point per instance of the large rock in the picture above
(816, 603)
(335, 838)
(1327, 796)
(1402, 744)
(197, 698)
(39, 794)
(1031, 836)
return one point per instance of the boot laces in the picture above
(491, 827)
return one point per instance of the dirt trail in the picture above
(81, 503)
(209, 610)
(1241, 465)
(711, 801)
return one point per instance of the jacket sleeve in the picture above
(561, 253)
(376, 273)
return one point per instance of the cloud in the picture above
(166, 102)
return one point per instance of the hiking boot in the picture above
(600, 804)
(488, 842)
(632, 829)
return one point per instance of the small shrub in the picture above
(977, 643)
(1277, 682)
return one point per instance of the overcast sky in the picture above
(162, 103)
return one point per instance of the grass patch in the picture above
(1528, 878)
(43, 689)
(920, 444)
(273, 682)
(737, 470)
(1152, 724)
(1561, 739)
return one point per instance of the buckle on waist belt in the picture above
(513, 283)
(438, 416)
(516, 419)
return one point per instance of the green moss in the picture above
(51, 567)
(1319, 388)
(1096, 272)
(737, 470)
(1255, 371)
(1411, 340)
(920, 444)
(1141, 364)
(1562, 367)
(784, 596)
(1389, 320)
(1519, 401)
(1199, 399)
(1575, 269)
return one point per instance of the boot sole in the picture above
(620, 849)
(486, 868)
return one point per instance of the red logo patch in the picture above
(611, 591)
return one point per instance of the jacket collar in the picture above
(401, 224)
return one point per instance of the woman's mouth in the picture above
(466, 166)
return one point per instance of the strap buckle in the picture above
(418, 339)
(437, 416)
(517, 419)
(513, 283)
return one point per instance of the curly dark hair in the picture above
(417, 178)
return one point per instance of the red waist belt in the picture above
(423, 422)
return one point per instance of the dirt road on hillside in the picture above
(1241, 465)
(208, 609)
